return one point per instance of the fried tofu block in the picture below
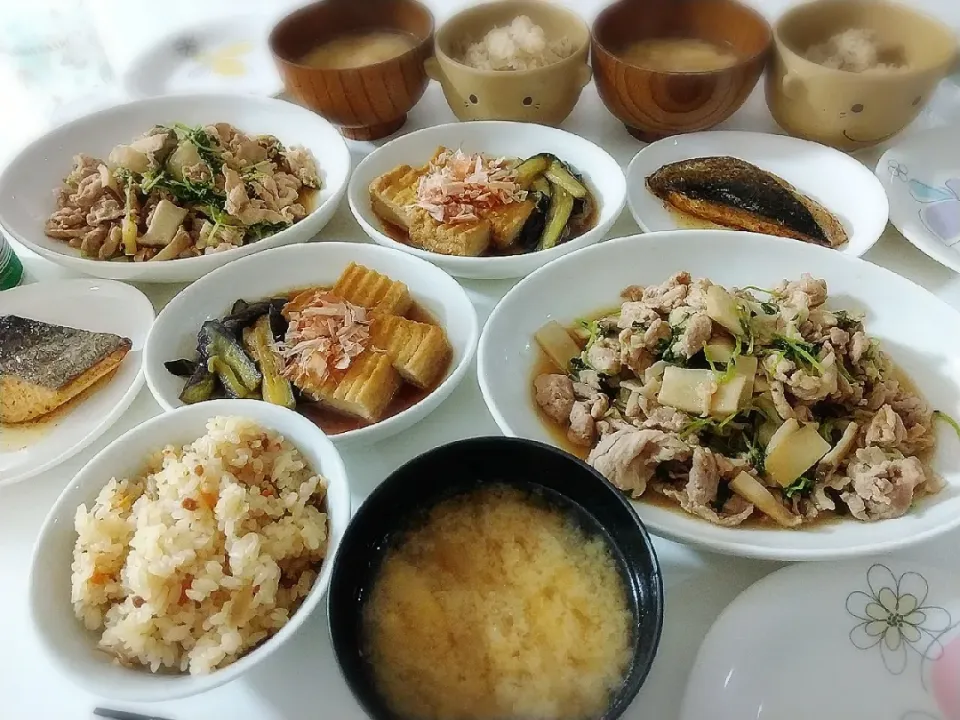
(393, 194)
(364, 391)
(419, 351)
(365, 287)
(507, 221)
(467, 239)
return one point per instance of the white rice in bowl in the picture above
(521, 45)
(204, 556)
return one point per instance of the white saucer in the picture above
(921, 176)
(840, 183)
(228, 55)
(98, 306)
(860, 640)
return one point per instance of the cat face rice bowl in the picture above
(203, 556)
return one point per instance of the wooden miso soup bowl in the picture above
(654, 103)
(365, 103)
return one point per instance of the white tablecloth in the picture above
(301, 680)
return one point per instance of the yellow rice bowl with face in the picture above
(205, 555)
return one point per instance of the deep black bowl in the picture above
(462, 466)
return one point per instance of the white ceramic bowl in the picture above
(28, 183)
(601, 172)
(590, 280)
(842, 184)
(67, 643)
(921, 175)
(174, 334)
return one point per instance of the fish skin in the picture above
(51, 356)
(734, 190)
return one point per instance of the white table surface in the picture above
(301, 680)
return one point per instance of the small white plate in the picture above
(505, 139)
(97, 306)
(837, 181)
(591, 279)
(227, 55)
(866, 639)
(278, 271)
(922, 178)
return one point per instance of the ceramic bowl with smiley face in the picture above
(544, 95)
(850, 110)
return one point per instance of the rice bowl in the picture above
(164, 575)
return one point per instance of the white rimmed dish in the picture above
(869, 638)
(590, 280)
(174, 335)
(222, 55)
(28, 183)
(68, 644)
(499, 138)
(98, 306)
(921, 175)
(837, 181)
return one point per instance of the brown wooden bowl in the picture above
(653, 103)
(368, 102)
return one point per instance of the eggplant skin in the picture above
(737, 194)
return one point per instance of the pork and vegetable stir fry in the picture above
(741, 403)
(180, 192)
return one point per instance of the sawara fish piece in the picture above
(736, 194)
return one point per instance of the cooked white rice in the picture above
(855, 50)
(204, 556)
(522, 45)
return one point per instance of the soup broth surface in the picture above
(498, 605)
(679, 55)
(359, 49)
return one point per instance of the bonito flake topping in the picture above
(458, 186)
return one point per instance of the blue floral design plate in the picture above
(872, 639)
(922, 178)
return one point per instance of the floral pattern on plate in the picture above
(895, 617)
(885, 645)
(939, 209)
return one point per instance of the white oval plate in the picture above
(921, 175)
(174, 335)
(841, 641)
(28, 183)
(589, 280)
(98, 306)
(225, 55)
(837, 181)
(601, 172)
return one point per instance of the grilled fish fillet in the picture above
(365, 287)
(43, 366)
(736, 194)
(419, 351)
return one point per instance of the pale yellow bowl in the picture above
(854, 110)
(545, 96)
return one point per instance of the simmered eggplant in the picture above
(216, 341)
(558, 216)
(275, 388)
(247, 314)
(232, 384)
(533, 228)
(181, 368)
(532, 168)
(199, 387)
